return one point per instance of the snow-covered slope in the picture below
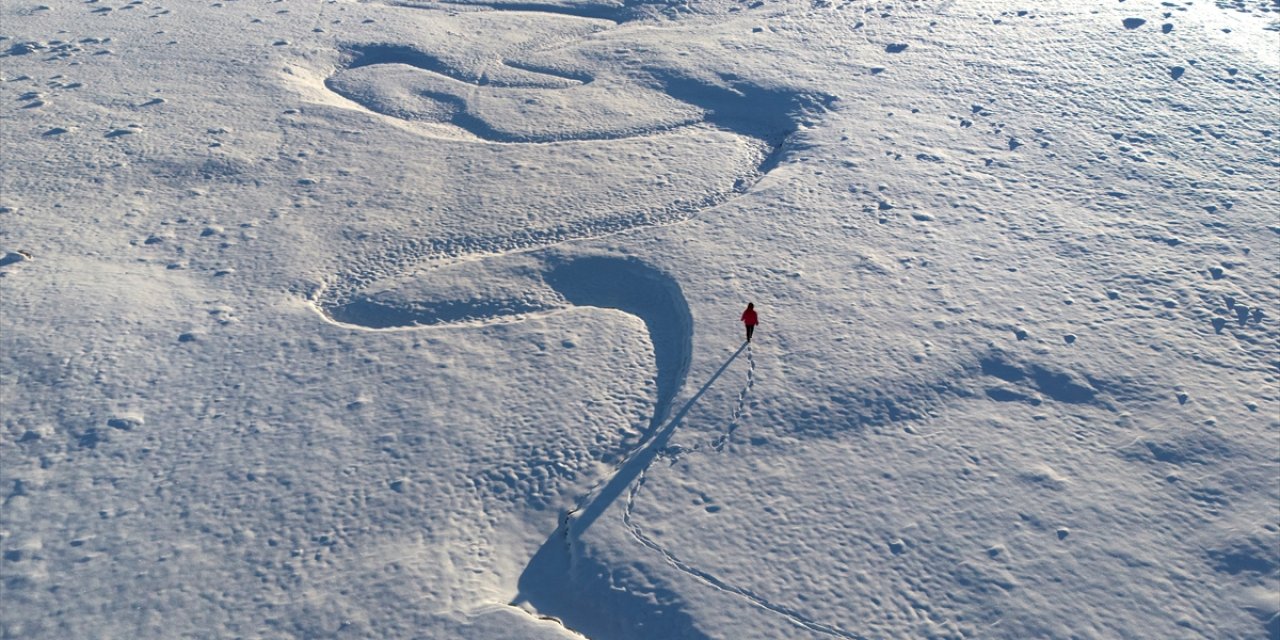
(416, 319)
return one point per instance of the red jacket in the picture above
(749, 318)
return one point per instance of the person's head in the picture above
(751, 305)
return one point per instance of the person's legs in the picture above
(751, 328)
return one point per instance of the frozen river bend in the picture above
(419, 319)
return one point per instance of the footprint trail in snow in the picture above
(717, 445)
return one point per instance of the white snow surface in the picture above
(414, 319)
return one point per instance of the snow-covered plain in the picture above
(419, 319)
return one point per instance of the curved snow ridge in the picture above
(399, 257)
(372, 314)
(716, 139)
(615, 13)
(551, 282)
(359, 55)
(529, 92)
(403, 82)
(396, 257)
(511, 115)
(525, 104)
(635, 287)
(751, 123)
(667, 116)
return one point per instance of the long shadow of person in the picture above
(577, 589)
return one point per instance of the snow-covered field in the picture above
(420, 319)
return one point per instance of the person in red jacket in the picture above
(749, 319)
